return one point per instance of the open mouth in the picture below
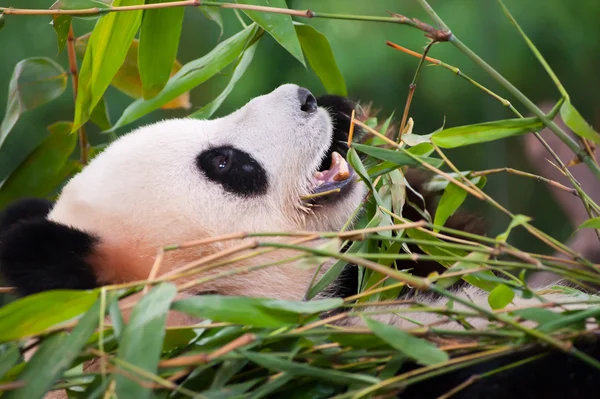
(332, 180)
(334, 175)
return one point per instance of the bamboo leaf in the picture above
(451, 200)
(479, 279)
(35, 313)
(128, 80)
(305, 370)
(483, 132)
(54, 357)
(141, 341)
(8, 358)
(100, 116)
(44, 169)
(259, 312)
(576, 123)
(593, 223)
(61, 25)
(396, 157)
(159, 40)
(213, 14)
(35, 82)
(106, 51)
(209, 109)
(420, 350)
(500, 296)
(191, 75)
(320, 57)
(279, 26)
(517, 220)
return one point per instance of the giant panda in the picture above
(186, 179)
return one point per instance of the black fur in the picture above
(39, 255)
(340, 109)
(25, 209)
(554, 375)
(235, 170)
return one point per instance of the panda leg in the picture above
(39, 255)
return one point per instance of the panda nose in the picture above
(308, 102)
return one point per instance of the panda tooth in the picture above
(343, 172)
(336, 159)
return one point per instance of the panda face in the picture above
(185, 179)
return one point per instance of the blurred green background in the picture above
(567, 33)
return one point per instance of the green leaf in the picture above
(500, 297)
(44, 169)
(100, 116)
(279, 26)
(576, 123)
(159, 40)
(8, 358)
(106, 51)
(191, 75)
(516, 221)
(320, 57)
(35, 81)
(412, 139)
(483, 132)
(213, 14)
(209, 109)
(258, 312)
(593, 223)
(54, 357)
(420, 350)
(479, 279)
(540, 316)
(451, 200)
(2, 21)
(396, 157)
(305, 370)
(570, 320)
(334, 271)
(128, 80)
(141, 341)
(61, 25)
(35, 313)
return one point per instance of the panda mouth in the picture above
(334, 179)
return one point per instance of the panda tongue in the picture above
(338, 171)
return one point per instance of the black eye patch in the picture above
(235, 170)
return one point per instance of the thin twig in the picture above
(525, 174)
(83, 142)
(411, 90)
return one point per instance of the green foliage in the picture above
(159, 34)
(261, 347)
(258, 312)
(35, 82)
(106, 51)
(141, 340)
(36, 313)
(279, 26)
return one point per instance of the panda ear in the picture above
(39, 255)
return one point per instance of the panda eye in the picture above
(222, 163)
(235, 170)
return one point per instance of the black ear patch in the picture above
(235, 170)
(39, 255)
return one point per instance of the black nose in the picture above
(308, 102)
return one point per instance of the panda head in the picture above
(186, 179)
(248, 171)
